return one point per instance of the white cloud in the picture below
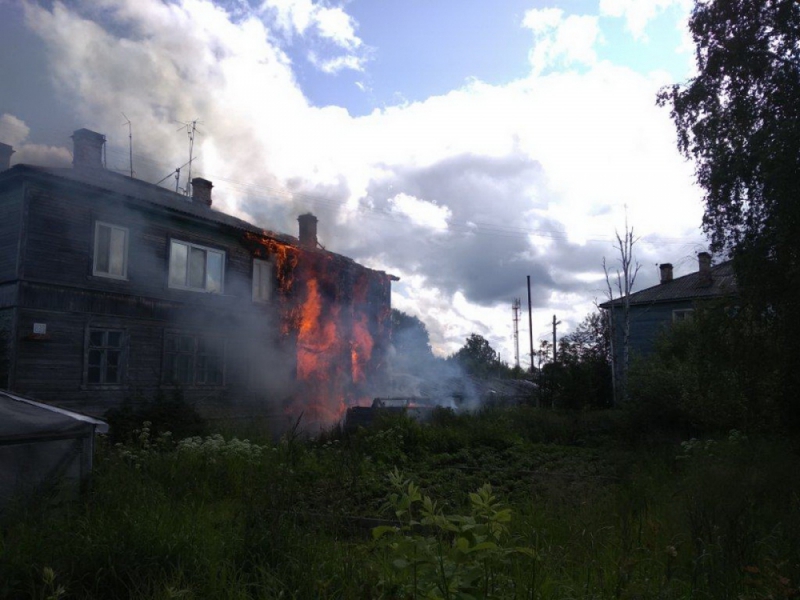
(560, 41)
(511, 167)
(329, 23)
(639, 13)
(14, 132)
(421, 212)
(336, 25)
(336, 64)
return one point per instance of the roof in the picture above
(137, 191)
(22, 418)
(689, 287)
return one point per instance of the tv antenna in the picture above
(130, 140)
(191, 131)
(177, 174)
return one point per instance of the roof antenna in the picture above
(191, 130)
(130, 140)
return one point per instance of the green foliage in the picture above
(714, 372)
(410, 337)
(436, 555)
(164, 413)
(581, 379)
(479, 359)
(216, 517)
(739, 120)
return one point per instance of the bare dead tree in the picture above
(623, 279)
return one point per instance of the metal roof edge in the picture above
(101, 426)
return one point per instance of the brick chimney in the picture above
(308, 230)
(201, 191)
(5, 156)
(87, 149)
(704, 267)
(666, 272)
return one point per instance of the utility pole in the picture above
(555, 350)
(530, 320)
(515, 312)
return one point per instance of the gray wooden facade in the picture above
(75, 332)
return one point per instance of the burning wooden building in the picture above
(114, 288)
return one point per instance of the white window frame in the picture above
(679, 315)
(261, 269)
(95, 271)
(208, 250)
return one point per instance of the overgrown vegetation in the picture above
(715, 372)
(506, 503)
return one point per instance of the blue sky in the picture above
(417, 49)
(460, 144)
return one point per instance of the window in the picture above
(104, 357)
(193, 360)
(193, 267)
(682, 314)
(262, 280)
(110, 251)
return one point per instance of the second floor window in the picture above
(262, 280)
(110, 251)
(194, 267)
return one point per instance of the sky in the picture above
(461, 145)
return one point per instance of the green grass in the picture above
(594, 514)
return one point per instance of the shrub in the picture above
(173, 414)
(713, 373)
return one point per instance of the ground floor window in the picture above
(191, 359)
(682, 314)
(104, 356)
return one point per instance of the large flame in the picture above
(336, 312)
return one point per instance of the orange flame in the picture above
(337, 313)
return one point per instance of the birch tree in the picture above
(621, 281)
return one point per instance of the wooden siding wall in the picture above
(10, 229)
(648, 322)
(60, 239)
(60, 291)
(57, 289)
(6, 333)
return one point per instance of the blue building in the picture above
(656, 308)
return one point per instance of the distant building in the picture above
(654, 309)
(111, 287)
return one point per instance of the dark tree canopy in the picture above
(738, 119)
(478, 358)
(409, 335)
(591, 340)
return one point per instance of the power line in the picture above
(263, 191)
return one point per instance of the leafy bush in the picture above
(173, 414)
(435, 555)
(713, 373)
